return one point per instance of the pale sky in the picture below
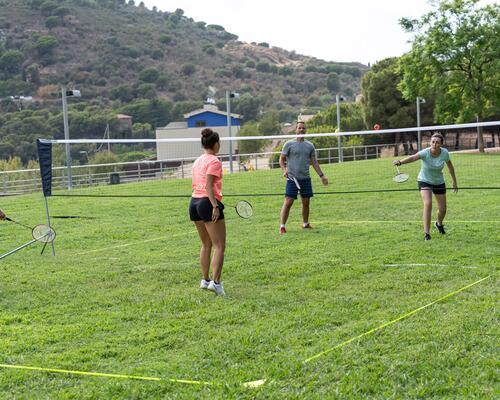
(365, 31)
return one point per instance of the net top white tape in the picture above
(279, 137)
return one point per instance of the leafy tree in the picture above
(166, 39)
(455, 56)
(149, 75)
(250, 146)
(248, 105)
(333, 82)
(155, 112)
(263, 66)
(384, 102)
(45, 45)
(10, 62)
(143, 131)
(269, 124)
(33, 72)
(124, 93)
(52, 22)
(48, 7)
(188, 69)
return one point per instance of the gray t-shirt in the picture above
(298, 155)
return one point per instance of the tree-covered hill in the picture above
(117, 50)
(150, 64)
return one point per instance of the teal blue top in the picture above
(432, 167)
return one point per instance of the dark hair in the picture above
(438, 135)
(209, 138)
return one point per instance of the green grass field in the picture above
(121, 296)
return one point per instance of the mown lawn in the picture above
(121, 295)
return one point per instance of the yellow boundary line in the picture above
(85, 373)
(393, 321)
(251, 384)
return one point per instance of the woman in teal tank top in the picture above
(431, 180)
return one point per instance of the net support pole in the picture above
(66, 135)
(228, 109)
(419, 134)
(48, 223)
(17, 249)
(339, 138)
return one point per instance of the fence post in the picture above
(182, 168)
(366, 152)
(138, 172)
(256, 162)
(376, 151)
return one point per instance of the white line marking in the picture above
(134, 243)
(428, 265)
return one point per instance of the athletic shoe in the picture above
(307, 226)
(204, 284)
(217, 288)
(440, 228)
(282, 230)
(427, 237)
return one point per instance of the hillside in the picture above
(118, 54)
(100, 47)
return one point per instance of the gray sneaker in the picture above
(204, 284)
(217, 288)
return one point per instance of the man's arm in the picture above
(317, 168)
(283, 165)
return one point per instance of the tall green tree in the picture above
(385, 105)
(455, 56)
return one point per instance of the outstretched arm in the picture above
(407, 160)
(451, 168)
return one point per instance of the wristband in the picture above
(321, 175)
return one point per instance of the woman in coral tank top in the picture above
(207, 211)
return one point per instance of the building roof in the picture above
(123, 116)
(176, 125)
(209, 108)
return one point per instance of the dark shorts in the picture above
(306, 190)
(201, 209)
(436, 189)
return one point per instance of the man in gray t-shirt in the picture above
(296, 157)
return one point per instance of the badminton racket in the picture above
(243, 208)
(294, 180)
(400, 177)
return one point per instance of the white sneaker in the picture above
(204, 284)
(217, 288)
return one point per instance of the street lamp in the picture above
(338, 99)
(68, 93)
(230, 95)
(420, 100)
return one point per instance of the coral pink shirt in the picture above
(206, 164)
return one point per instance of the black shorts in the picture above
(200, 209)
(291, 189)
(436, 189)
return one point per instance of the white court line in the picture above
(427, 265)
(134, 243)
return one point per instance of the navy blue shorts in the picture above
(200, 209)
(436, 189)
(305, 190)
